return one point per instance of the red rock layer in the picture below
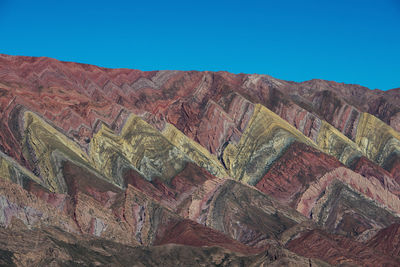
(190, 233)
(211, 108)
(194, 207)
(393, 166)
(300, 166)
(387, 240)
(370, 170)
(97, 208)
(339, 250)
(180, 187)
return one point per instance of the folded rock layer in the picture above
(115, 166)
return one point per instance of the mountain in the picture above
(121, 167)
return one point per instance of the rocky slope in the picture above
(122, 167)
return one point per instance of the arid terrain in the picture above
(120, 167)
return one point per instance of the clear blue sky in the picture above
(352, 41)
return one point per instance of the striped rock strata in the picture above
(240, 167)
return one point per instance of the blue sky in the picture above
(352, 41)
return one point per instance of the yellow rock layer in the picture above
(139, 145)
(46, 143)
(11, 170)
(164, 154)
(151, 152)
(263, 141)
(194, 150)
(334, 143)
(376, 139)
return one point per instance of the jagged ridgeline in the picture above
(104, 165)
(138, 146)
(164, 153)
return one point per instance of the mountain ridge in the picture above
(313, 80)
(242, 162)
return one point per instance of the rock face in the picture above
(114, 166)
(339, 250)
(53, 247)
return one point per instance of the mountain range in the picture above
(121, 167)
